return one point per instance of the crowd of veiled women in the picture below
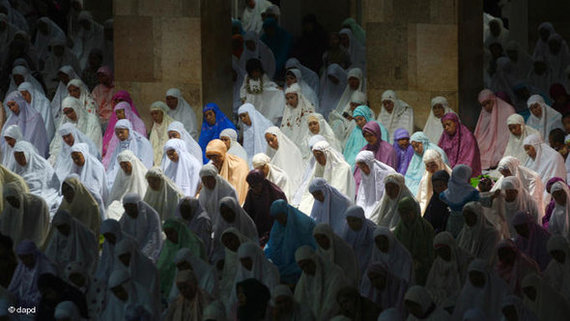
(300, 204)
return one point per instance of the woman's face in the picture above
(156, 116)
(388, 105)
(226, 141)
(354, 223)
(69, 112)
(363, 167)
(314, 127)
(360, 121)
(560, 197)
(536, 110)
(354, 83)
(292, 99)
(122, 133)
(450, 127)
(320, 157)
(11, 141)
(120, 113)
(172, 155)
(127, 167)
(272, 141)
(171, 102)
(438, 110)
(244, 117)
(173, 134)
(27, 96)
(487, 105)
(344, 40)
(290, 79)
(370, 138)
(432, 167)
(74, 91)
(392, 190)
(515, 129)
(210, 117)
(20, 158)
(530, 151)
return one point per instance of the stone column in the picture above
(160, 44)
(423, 49)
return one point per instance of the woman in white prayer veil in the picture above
(433, 127)
(529, 179)
(180, 166)
(334, 249)
(132, 292)
(87, 39)
(130, 179)
(129, 139)
(253, 264)
(162, 193)
(542, 159)
(449, 270)
(297, 110)
(543, 300)
(251, 16)
(285, 154)
(386, 211)
(38, 174)
(60, 56)
(316, 125)
(207, 275)
(319, 289)
(254, 126)
(78, 89)
(257, 49)
(47, 30)
(81, 204)
(91, 172)
(389, 250)
(229, 137)
(309, 77)
(557, 273)
(69, 241)
(543, 118)
(142, 223)
(341, 124)
(395, 113)
(433, 162)
(559, 223)
(12, 134)
(87, 123)
(25, 216)
(258, 90)
(329, 206)
(176, 130)
(40, 103)
(273, 173)
(484, 289)
(333, 83)
(478, 236)
(354, 47)
(295, 76)
(214, 188)
(22, 74)
(371, 189)
(518, 132)
(59, 158)
(231, 215)
(238, 75)
(355, 82)
(231, 239)
(419, 301)
(330, 165)
(65, 74)
(113, 234)
(181, 111)
(159, 131)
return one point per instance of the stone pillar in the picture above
(160, 44)
(423, 49)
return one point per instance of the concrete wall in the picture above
(423, 49)
(161, 44)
